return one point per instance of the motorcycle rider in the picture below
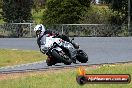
(42, 33)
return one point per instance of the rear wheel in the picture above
(61, 58)
(67, 60)
(50, 61)
(82, 56)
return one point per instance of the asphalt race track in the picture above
(99, 49)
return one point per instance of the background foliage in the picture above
(17, 10)
(64, 11)
(120, 10)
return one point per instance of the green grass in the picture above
(66, 78)
(12, 57)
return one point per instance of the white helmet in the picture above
(39, 27)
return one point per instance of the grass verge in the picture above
(65, 78)
(10, 57)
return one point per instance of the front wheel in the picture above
(82, 56)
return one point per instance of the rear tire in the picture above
(50, 62)
(82, 56)
(66, 60)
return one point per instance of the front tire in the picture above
(82, 56)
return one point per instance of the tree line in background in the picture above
(120, 8)
(15, 11)
(66, 11)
